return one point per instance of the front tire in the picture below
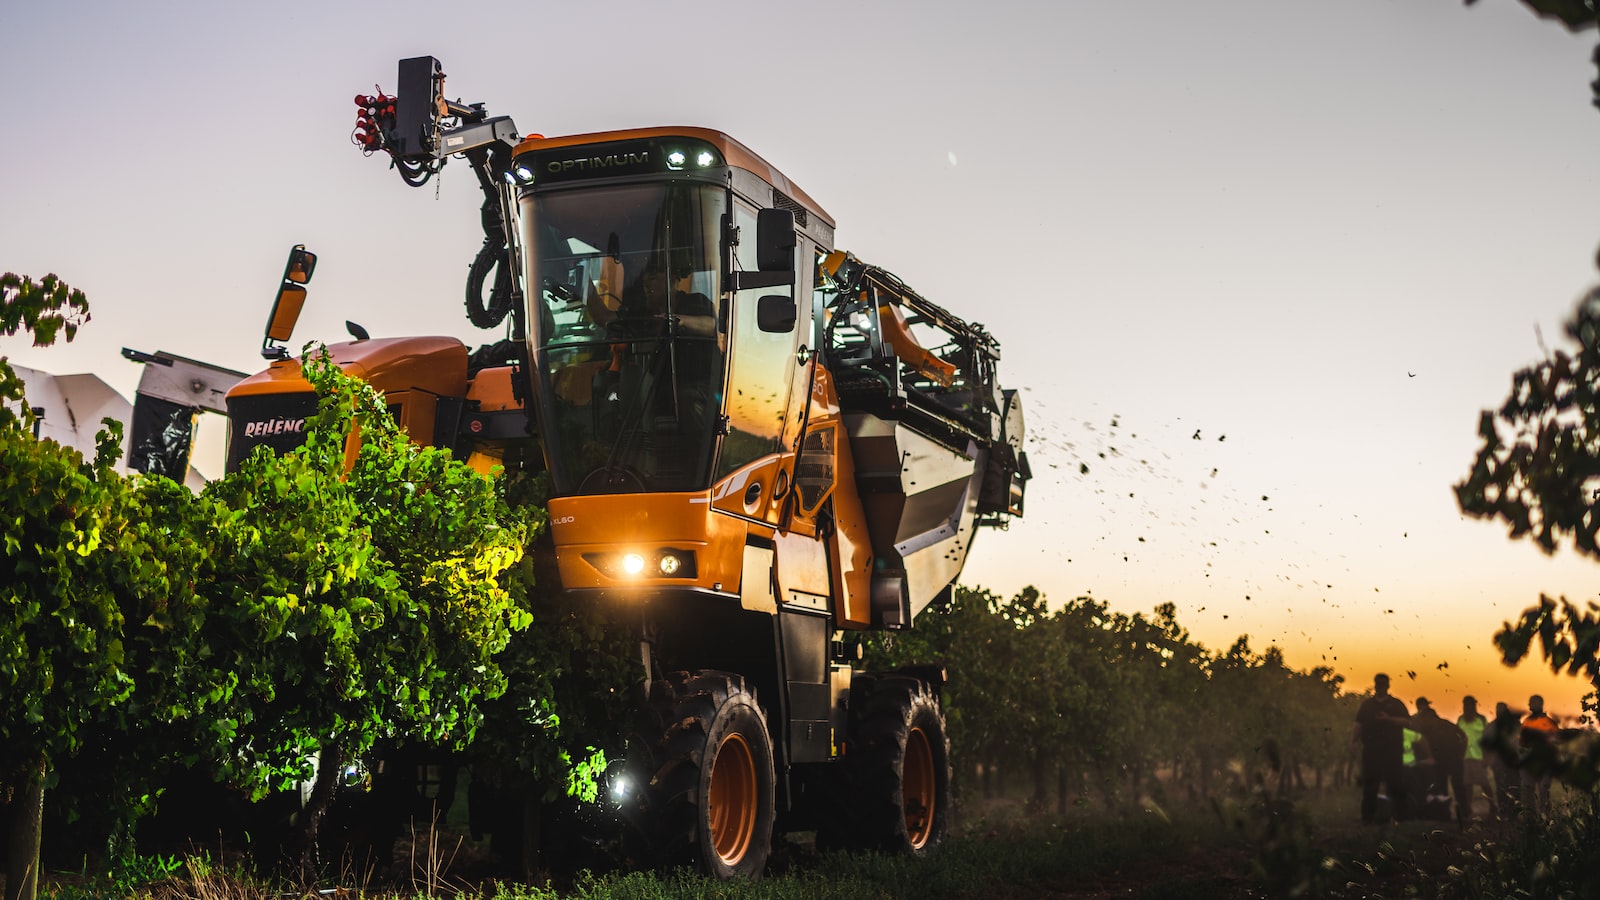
(709, 798)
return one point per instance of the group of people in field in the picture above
(1430, 767)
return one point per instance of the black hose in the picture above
(415, 174)
(495, 255)
(491, 312)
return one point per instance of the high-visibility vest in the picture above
(1408, 755)
(1538, 729)
(1474, 731)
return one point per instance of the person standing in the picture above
(1380, 724)
(1501, 739)
(1475, 769)
(1449, 745)
(1538, 738)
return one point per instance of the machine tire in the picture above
(895, 787)
(705, 768)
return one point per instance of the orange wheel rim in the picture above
(731, 800)
(918, 789)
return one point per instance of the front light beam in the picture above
(665, 562)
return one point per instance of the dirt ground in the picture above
(1334, 855)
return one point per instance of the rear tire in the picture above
(895, 787)
(705, 770)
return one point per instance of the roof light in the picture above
(705, 158)
(675, 159)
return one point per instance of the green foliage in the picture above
(61, 521)
(43, 309)
(1576, 15)
(1556, 858)
(1538, 471)
(357, 604)
(556, 726)
(1538, 467)
(357, 589)
(172, 713)
(128, 876)
(61, 651)
(1082, 697)
(96, 608)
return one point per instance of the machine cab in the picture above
(664, 323)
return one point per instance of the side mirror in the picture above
(302, 263)
(776, 314)
(775, 241)
(290, 300)
(285, 312)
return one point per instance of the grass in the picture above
(1016, 859)
(1229, 848)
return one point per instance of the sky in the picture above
(1256, 265)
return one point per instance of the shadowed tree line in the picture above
(1082, 705)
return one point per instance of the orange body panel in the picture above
(416, 413)
(850, 558)
(437, 365)
(910, 352)
(757, 482)
(410, 372)
(852, 562)
(644, 523)
(491, 389)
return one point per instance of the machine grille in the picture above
(781, 201)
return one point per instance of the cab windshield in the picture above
(625, 312)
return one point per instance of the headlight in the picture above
(665, 562)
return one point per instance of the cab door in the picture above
(755, 465)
